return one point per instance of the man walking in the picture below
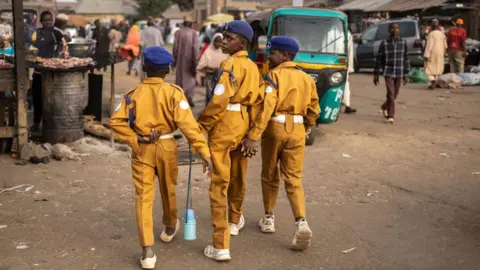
(435, 54)
(393, 59)
(185, 51)
(149, 37)
(456, 47)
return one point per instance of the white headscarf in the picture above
(212, 57)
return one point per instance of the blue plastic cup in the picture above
(190, 226)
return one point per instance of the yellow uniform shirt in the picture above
(244, 88)
(161, 106)
(296, 94)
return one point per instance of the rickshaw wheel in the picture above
(311, 137)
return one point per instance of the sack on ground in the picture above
(450, 80)
(470, 78)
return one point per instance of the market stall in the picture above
(7, 105)
(65, 95)
(13, 85)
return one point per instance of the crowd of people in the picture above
(439, 43)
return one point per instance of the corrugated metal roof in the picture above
(362, 4)
(404, 5)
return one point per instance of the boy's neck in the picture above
(237, 52)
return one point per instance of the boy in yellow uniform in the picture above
(290, 109)
(235, 102)
(146, 120)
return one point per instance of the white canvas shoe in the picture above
(217, 254)
(235, 228)
(148, 263)
(303, 235)
(267, 224)
(168, 238)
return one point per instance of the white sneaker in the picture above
(235, 228)
(217, 254)
(267, 224)
(168, 238)
(148, 263)
(390, 120)
(303, 235)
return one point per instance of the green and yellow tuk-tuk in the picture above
(322, 36)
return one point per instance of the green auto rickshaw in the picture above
(322, 36)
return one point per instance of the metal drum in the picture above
(65, 95)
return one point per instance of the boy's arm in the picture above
(119, 124)
(185, 121)
(313, 109)
(268, 106)
(379, 61)
(217, 106)
(406, 59)
(256, 108)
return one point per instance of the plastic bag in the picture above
(416, 75)
(476, 69)
(470, 78)
(450, 80)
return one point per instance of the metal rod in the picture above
(112, 100)
(21, 76)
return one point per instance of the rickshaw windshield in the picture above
(322, 35)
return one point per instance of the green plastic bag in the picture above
(416, 75)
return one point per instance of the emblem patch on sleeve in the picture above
(184, 105)
(219, 90)
(269, 90)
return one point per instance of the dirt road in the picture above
(405, 196)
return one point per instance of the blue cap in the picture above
(158, 57)
(282, 43)
(240, 28)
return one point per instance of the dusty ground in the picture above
(407, 197)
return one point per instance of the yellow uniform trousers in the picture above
(282, 156)
(155, 160)
(228, 181)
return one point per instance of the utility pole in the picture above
(225, 9)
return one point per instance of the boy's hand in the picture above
(207, 166)
(376, 80)
(249, 147)
(405, 79)
(143, 139)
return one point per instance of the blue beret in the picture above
(240, 28)
(157, 56)
(281, 43)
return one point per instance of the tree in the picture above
(153, 8)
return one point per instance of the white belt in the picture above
(166, 136)
(282, 118)
(234, 107)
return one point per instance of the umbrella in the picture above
(220, 18)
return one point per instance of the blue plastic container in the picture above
(190, 226)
